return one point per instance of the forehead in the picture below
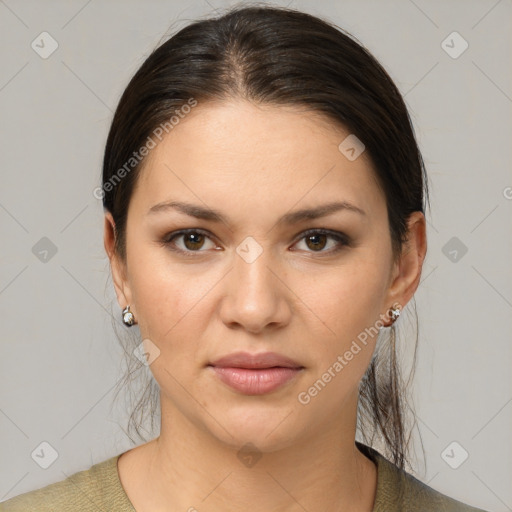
(237, 152)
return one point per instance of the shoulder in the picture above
(399, 491)
(97, 488)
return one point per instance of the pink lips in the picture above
(255, 374)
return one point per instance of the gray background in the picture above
(60, 357)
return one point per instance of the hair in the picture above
(280, 57)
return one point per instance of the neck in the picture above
(186, 468)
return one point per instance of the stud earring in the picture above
(394, 312)
(128, 317)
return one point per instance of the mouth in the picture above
(255, 374)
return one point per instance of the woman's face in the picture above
(254, 281)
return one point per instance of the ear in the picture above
(407, 269)
(118, 267)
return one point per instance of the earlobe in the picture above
(117, 267)
(408, 274)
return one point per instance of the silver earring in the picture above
(394, 312)
(128, 317)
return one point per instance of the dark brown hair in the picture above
(279, 56)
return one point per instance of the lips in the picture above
(255, 361)
(255, 374)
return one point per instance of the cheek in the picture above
(349, 306)
(172, 301)
(351, 299)
(167, 300)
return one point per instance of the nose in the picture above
(256, 296)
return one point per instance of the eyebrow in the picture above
(297, 216)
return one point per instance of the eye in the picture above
(193, 240)
(316, 239)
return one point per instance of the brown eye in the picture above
(316, 242)
(193, 240)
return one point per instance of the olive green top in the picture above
(99, 489)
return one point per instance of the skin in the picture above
(255, 164)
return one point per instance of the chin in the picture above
(262, 427)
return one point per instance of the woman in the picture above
(264, 205)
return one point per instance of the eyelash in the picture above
(342, 239)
